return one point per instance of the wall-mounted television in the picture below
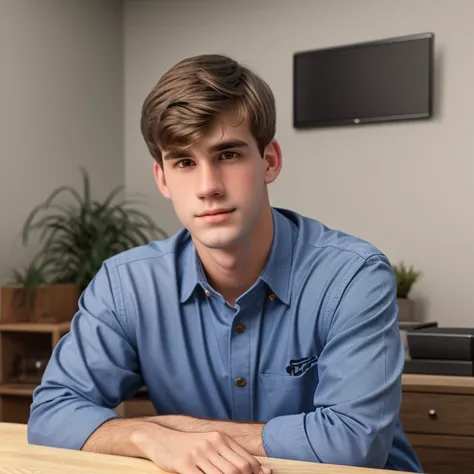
(377, 81)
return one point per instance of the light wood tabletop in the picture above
(18, 457)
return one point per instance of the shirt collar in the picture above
(192, 273)
(276, 273)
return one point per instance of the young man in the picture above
(257, 331)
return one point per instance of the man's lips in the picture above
(215, 212)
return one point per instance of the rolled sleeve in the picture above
(358, 396)
(93, 368)
(74, 431)
(285, 437)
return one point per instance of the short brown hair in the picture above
(187, 99)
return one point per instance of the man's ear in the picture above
(273, 161)
(160, 180)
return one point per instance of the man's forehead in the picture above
(226, 126)
(224, 130)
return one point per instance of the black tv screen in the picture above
(376, 81)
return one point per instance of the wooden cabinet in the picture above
(438, 417)
(138, 405)
(24, 350)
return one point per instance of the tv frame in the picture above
(375, 119)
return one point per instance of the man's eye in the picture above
(229, 155)
(184, 163)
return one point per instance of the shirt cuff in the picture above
(75, 430)
(285, 437)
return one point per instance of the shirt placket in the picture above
(240, 366)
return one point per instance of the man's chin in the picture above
(217, 242)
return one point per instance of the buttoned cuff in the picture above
(285, 437)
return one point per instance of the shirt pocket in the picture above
(290, 395)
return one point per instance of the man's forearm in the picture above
(173, 450)
(118, 437)
(248, 435)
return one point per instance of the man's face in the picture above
(218, 187)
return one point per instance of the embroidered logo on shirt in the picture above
(300, 366)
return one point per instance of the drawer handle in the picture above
(432, 414)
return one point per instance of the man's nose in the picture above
(210, 181)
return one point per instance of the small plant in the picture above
(32, 275)
(78, 236)
(406, 278)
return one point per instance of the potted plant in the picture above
(32, 295)
(406, 277)
(76, 236)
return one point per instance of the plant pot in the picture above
(12, 307)
(42, 304)
(406, 309)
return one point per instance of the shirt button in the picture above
(239, 327)
(207, 292)
(240, 382)
(272, 296)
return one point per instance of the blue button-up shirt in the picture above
(315, 339)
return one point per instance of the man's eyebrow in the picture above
(175, 155)
(227, 145)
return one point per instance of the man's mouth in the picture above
(216, 212)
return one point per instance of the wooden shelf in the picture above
(35, 327)
(20, 389)
(20, 343)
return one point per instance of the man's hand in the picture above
(247, 435)
(195, 453)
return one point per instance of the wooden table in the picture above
(18, 457)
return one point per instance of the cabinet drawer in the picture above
(438, 413)
(441, 454)
(445, 460)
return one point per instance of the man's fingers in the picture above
(241, 459)
(265, 470)
(222, 464)
(254, 463)
(208, 466)
(189, 469)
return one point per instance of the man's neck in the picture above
(231, 273)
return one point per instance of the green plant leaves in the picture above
(406, 278)
(77, 238)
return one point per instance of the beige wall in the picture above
(61, 96)
(407, 187)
